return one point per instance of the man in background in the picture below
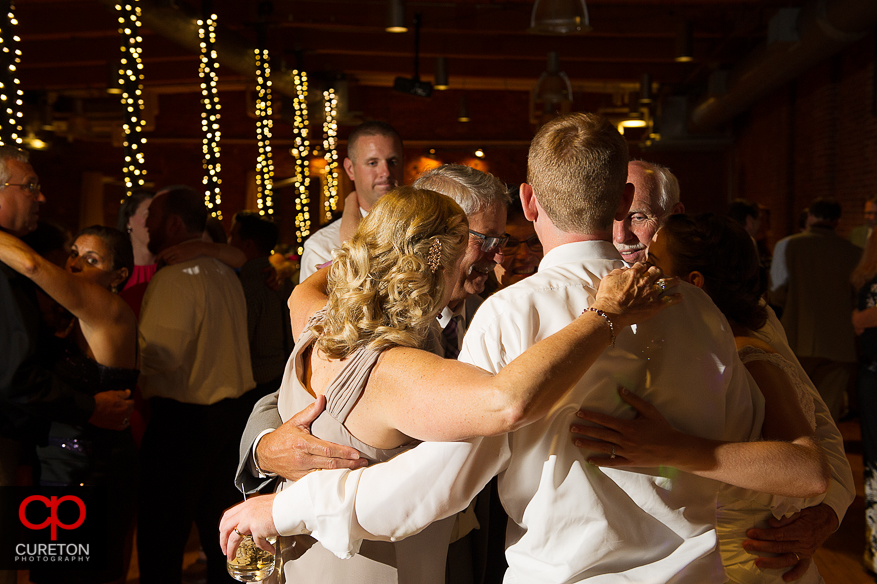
(195, 364)
(810, 281)
(375, 163)
(268, 328)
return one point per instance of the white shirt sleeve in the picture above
(391, 500)
(779, 274)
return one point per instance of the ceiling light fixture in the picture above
(559, 17)
(396, 16)
(441, 74)
(685, 42)
(645, 90)
(553, 86)
(463, 110)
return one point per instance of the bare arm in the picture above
(351, 216)
(108, 324)
(791, 469)
(429, 398)
(306, 299)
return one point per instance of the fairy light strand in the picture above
(330, 148)
(131, 83)
(264, 124)
(10, 91)
(300, 150)
(207, 71)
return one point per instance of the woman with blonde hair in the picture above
(864, 280)
(362, 351)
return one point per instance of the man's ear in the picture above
(677, 209)
(348, 168)
(528, 202)
(624, 203)
(695, 278)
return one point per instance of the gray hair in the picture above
(472, 189)
(8, 152)
(668, 184)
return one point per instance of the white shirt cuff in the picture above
(254, 462)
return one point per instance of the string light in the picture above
(264, 123)
(300, 151)
(210, 115)
(330, 146)
(10, 92)
(131, 82)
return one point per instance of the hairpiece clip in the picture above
(434, 260)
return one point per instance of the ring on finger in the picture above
(797, 557)
(661, 285)
(238, 532)
(612, 453)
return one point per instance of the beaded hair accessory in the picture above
(434, 259)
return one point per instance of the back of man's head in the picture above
(372, 128)
(472, 189)
(825, 210)
(740, 209)
(188, 205)
(577, 167)
(263, 233)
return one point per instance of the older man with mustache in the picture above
(655, 198)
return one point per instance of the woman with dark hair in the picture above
(717, 255)
(132, 220)
(98, 358)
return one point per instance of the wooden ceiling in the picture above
(67, 44)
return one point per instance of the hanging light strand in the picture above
(330, 147)
(210, 115)
(264, 124)
(10, 90)
(300, 151)
(131, 82)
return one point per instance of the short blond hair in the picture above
(382, 290)
(577, 167)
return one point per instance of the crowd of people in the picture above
(567, 380)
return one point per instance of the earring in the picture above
(129, 230)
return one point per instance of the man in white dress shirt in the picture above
(375, 163)
(569, 521)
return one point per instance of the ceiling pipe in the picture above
(233, 51)
(825, 27)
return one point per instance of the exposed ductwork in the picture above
(232, 50)
(825, 27)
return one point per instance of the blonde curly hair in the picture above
(382, 292)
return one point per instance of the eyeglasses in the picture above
(532, 242)
(32, 188)
(489, 242)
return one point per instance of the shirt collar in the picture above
(447, 314)
(578, 252)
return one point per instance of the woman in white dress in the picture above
(714, 253)
(360, 349)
